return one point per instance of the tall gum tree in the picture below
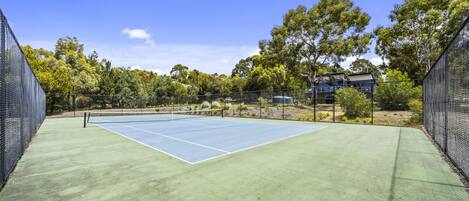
(326, 34)
(420, 31)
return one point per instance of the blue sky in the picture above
(208, 35)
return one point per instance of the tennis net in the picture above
(128, 117)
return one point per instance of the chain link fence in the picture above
(314, 105)
(22, 101)
(446, 101)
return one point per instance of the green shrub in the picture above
(216, 105)
(344, 118)
(241, 107)
(205, 105)
(358, 120)
(397, 91)
(227, 106)
(416, 106)
(157, 109)
(253, 115)
(262, 102)
(365, 120)
(323, 116)
(353, 102)
(83, 101)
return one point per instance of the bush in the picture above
(216, 105)
(262, 102)
(397, 91)
(323, 116)
(416, 106)
(344, 118)
(241, 107)
(366, 120)
(83, 101)
(227, 106)
(205, 105)
(353, 102)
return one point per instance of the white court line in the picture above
(46, 130)
(177, 139)
(258, 145)
(225, 153)
(146, 145)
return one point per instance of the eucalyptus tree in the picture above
(420, 31)
(325, 34)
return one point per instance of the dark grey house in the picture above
(327, 85)
(363, 82)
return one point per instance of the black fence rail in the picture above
(446, 100)
(22, 101)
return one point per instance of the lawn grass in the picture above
(340, 162)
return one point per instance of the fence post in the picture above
(241, 94)
(446, 102)
(333, 106)
(74, 102)
(283, 104)
(372, 103)
(260, 109)
(21, 108)
(3, 97)
(84, 120)
(315, 97)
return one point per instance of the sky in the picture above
(208, 35)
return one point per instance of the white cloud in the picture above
(348, 61)
(371, 57)
(377, 61)
(254, 52)
(139, 34)
(156, 70)
(161, 58)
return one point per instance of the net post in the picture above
(222, 113)
(84, 120)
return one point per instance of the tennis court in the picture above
(197, 138)
(327, 162)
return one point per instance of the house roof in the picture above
(334, 76)
(361, 77)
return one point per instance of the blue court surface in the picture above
(194, 140)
